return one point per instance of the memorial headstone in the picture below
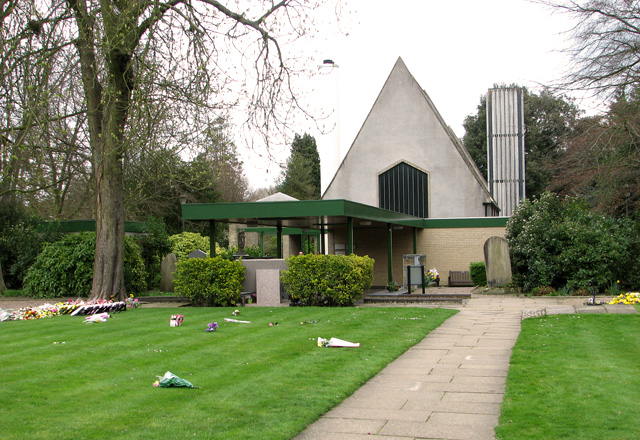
(198, 254)
(268, 287)
(497, 262)
(167, 272)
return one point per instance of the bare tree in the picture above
(605, 44)
(190, 51)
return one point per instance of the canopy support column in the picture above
(389, 253)
(349, 235)
(279, 241)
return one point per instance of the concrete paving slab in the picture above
(473, 397)
(590, 309)
(349, 426)
(429, 431)
(403, 414)
(320, 435)
(468, 407)
(560, 310)
(446, 418)
(471, 372)
(621, 309)
(451, 384)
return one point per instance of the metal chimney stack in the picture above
(505, 147)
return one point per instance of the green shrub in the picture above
(327, 280)
(557, 243)
(65, 268)
(154, 246)
(228, 253)
(211, 282)
(185, 243)
(20, 241)
(543, 291)
(478, 273)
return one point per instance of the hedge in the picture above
(327, 280)
(210, 282)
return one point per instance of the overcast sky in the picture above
(455, 49)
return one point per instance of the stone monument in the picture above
(197, 254)
(167, 272)
(497, 262)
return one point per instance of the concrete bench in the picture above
(460, 278)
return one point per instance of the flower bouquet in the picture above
(176, 320)
(132, 303)
(335, 342)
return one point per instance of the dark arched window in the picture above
(404, 189)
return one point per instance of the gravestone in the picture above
(198, 254)
(167, 272)
(268, 287)
(497, 262)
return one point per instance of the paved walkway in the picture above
(451, 384)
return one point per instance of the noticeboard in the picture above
(415, 276)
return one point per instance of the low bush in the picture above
(210, 282)
(327, 280)
(65, 268)
(185, 243)
(543, 291)
(154, 246)
(478, 273)
(560, 242)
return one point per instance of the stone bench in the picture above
(460, 278)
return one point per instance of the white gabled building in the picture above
(406, 159)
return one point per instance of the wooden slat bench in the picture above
(460, 278)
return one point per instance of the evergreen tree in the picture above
(301, 178)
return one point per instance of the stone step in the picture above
(417, 298)
(162, 299)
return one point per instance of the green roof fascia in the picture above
(291, 209)
(67, 226)
(285, 231)
(471, 222)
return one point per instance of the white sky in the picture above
(456, 50)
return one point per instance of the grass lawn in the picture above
(574, 377)
(64, 379)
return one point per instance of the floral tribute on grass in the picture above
(72, 308)
(335, 342)
(132, 302)
(170, 380)
(628, 298)
(100, 317)
(212, 327)
(176, 320)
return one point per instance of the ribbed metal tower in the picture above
(505, 147)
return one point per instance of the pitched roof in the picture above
(400, 80)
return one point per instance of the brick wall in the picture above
(446, 248)
(454, 248)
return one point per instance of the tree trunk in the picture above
(3, 287)
(107, 110)
(108, 269)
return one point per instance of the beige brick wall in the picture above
(454, 248)
(446, 248)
